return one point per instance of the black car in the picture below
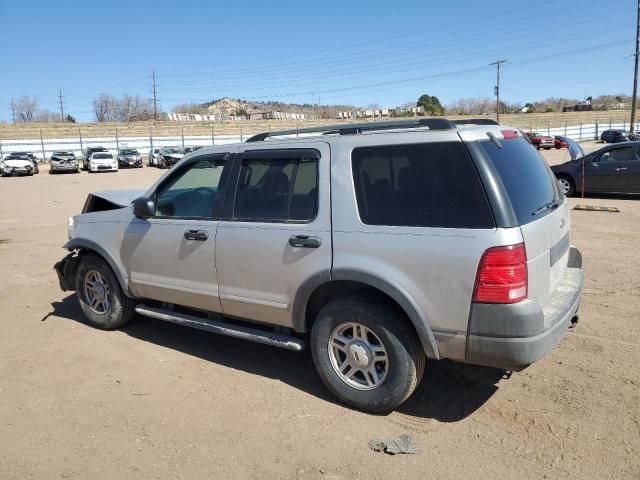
(612, 169)
(32, 157)
(614, 136)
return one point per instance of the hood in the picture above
(121, 198)
(17, 162)
(174, 155)
(575, 150)
(63, 158)
(102, 160)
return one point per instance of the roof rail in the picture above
(475, 121)
(356, 128)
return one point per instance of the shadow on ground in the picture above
(449, 391)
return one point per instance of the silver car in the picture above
(63, 161)
(378, 245)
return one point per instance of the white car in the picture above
(15, 164)
(102, 161)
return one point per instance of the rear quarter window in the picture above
(529, 182)
(420, 185)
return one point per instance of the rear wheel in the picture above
(366, 354)
(567, 184)
(103, 302)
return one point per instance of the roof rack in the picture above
(475, 121)
(357, 128)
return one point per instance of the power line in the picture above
(60, 97)
(497, 63)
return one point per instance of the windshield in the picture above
(525, 175)
(100, 156)
(128, 151)
(171, 150)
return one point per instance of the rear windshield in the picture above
(128, 151)
(422, 185)
(527, 178)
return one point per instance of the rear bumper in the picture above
(515, 336)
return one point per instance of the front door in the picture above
(172, 254)
(607, 172)
(276, 230)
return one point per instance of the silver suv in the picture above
(381, 245)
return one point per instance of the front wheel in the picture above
(366, 354)
(103, 302)
(567, 184)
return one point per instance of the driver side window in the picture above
(616, 155)
(196, 191)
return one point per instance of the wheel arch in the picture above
(324, 286)
(84, 245)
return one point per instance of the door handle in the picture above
(304, 241)
(621, 169)
(198, 235)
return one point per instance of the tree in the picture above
(431, 105)
(103, 107)
(25, 108)
(69, 118)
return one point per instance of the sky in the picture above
(329, 52)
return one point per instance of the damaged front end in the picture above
(66, 270)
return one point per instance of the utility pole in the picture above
(60, 97)
(13, 111)
(155, 98)
(635, 72)
(497, 63)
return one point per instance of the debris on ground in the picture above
(394, 445)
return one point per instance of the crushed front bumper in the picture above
(66, 270)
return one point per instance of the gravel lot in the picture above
(155, 400)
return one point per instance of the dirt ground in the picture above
(155, 400)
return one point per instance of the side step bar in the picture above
(204, 323)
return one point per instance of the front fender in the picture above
(118, 270)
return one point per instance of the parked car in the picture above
(541, 141)
(16, 164)
(188, 150)
(129, 157)
(169, 156)
(102, 161)
(420, 239)
(559, 143)
(611, 169)
(63, 161)
(33, 159)
(87, 154)
(153, 157)
(614, 136)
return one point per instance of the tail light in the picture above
(502, 275)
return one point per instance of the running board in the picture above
(204, 323)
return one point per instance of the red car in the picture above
(559, 143)
(541, 141)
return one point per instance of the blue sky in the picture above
(352, 52)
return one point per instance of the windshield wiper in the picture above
(547, 206)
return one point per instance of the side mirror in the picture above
(144, 208)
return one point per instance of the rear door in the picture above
(276, 230)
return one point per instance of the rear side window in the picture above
(525, 175)
(277, 190)
(422, 185)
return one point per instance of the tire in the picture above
(537, 147)
(107, 313)
(384, 326)
(568, 185)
